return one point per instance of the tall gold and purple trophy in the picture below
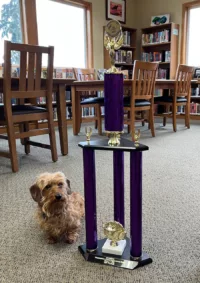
(116, 249)
(113, 85)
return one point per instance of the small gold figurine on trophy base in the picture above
(116, 234)
(88, 132)
(136, 136)
(114, 138)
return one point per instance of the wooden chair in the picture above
(90, 99)
(142, 96)
(181, 96)
(29, 87)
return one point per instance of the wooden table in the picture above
(59, 86)
(79, 86)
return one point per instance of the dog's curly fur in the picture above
(59, 210)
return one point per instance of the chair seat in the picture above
(138, 102)
(93, 100)
(22, 109)
(169, 99)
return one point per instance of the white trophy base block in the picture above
(118, 250)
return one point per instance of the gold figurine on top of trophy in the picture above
(113, 40)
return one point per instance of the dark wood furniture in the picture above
(78, 87)
(89, 99)
(162, 46)
(59, 87)
(142, 94)
(181, 96)
(22, 113)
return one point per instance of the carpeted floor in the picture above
(171, 214)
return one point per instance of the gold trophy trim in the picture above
(115, 232)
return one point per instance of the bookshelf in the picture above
(160, 44)
(125, 56)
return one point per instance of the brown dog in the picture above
(59, 211)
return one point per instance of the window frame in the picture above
(30, 28)
(185, 12)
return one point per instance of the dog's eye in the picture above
(48, 187)
(60, 184)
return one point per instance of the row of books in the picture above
(157, 37)
(162, 73)
(126, 38)
(123, 56)
(68, 113)
(163, 56)
(61, 73)
(194, 108)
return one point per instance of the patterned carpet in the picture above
(171, 197)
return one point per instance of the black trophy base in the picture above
(124, 261)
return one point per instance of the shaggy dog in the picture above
(59, 210)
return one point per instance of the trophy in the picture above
(116, 234)
(88, 132)
(113, 85)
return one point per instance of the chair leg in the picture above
(187, 115)
(165, 118)
(142, 116)
(99, 121)
(174, 117)
(151, 121)
(26, 145)
(12, 146)
(21, 130)
(132, 114)
(128, 117)
(52, 137)
(96, 114)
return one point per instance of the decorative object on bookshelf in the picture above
(160, 44)
(116, 10)
(160, 20)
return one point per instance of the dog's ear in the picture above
(35, 193)
(68, 187)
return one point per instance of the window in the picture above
(63, 26)
(193, 40)
(10, 26)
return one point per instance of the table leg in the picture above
(136, 203)
(75, 110)
(62, 120)
(118, 173)
(90, 199)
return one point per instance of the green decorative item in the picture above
(160, 20)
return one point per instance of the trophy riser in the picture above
(124, 261)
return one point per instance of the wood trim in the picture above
(30, 21)
(185, 9)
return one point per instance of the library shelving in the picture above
(125, 56)
(160, 44)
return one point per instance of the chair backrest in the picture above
(143, 84)
(85, 74)
(30, 68)
(183, 78)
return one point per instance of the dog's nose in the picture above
(58, 196)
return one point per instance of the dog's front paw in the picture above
(71, 238)
(51, 240)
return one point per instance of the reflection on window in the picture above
(62, 26)
(193, 40)
(10, 26)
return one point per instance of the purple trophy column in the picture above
(113, 102)
(90, 198)
(136, 203)
(118, 173)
